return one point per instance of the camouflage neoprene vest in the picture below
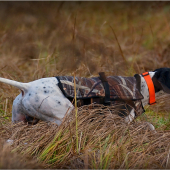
(121, 89)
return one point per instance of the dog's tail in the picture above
(22, 86)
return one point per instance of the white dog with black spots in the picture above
(43, 100)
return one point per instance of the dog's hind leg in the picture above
(17, 111)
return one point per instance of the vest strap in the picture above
(103, 79)
(151, 88)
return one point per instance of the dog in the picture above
(44, 99)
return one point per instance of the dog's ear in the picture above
(161, 79)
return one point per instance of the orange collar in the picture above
(151, 88)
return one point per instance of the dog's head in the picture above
(161, 79)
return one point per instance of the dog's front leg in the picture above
(151, 127)
(130, 117)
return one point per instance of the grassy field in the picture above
(43, 39)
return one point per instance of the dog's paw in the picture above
(151, 127)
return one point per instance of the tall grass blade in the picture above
(118, 44)
(75, 96)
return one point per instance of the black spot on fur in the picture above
(46, 91)
(44, 87)
(29, 94)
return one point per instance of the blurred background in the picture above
(39, 39)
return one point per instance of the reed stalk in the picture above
(75, 94)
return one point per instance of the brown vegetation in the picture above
(43, 39)
(104, 141)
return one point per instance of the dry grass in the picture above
(104, 141)
(42, 39)
(13, 160)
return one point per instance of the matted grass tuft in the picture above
(104, 141)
